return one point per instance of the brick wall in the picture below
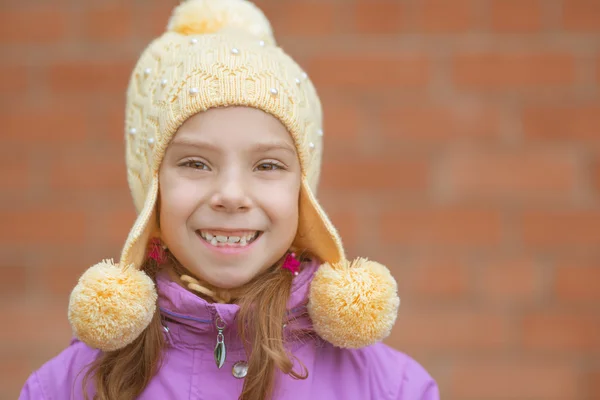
(462, 150)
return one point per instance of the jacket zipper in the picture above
(220, 352)
(220, 349)
(204, 321)
(168, 335)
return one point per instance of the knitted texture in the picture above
(111, 299)
(180, 75)
(353, 304)
(221, 53)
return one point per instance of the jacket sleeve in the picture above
(32, 389)
(61, 377)
(430, 392)
(417, 384)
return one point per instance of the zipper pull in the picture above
(167, 335)
(220, 350)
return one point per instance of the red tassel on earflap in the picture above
(291, 263)
(156, 251)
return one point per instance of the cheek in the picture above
(282, 204)
(178, 198)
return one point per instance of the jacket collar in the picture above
(189, 317)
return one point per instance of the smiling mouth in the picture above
(233, 239)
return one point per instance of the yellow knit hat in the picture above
(219, 53)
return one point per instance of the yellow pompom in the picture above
(111, 306)
(210, 16)
(353, 304)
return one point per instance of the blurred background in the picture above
(462, 150)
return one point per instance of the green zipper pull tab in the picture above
(220, 350)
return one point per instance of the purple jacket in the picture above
(189, 372)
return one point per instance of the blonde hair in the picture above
(124, 374)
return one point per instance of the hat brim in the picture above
(145, 227)
(316, 234)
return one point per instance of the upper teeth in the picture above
(227, 239)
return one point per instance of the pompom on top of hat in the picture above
(111, 306)
(353, 304)
(197, 17)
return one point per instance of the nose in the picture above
(230, 194)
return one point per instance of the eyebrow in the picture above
(257, 148)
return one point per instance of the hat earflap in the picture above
(353, 304)
(111, 305)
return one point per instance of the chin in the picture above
(226, 279)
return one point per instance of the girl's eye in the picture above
(195, 164)
(269, 166)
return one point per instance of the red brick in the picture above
(58, 278)
(13, 79)
(516, 176)
(561, 229)
(562, 332)
(89, 170)
(581, 15)
(448, 330)
(341, 122)
(40, 324)
(372, 174)
(441, 227)
(53, 124)
(39, 227)
(111, 226)
(364, 71)
(510, 281)
(379, 17)
(437, 124)
(152, 19)
(516, 16)
(513, 71)
(15, 4)
(566, 123)
(577, 283)
(14, 281)
(434, 280)
(593, 384)
(370, 108)
(14, 371)
(596, 176)
(111, 23)
(514, 379)
(90, 77)
(441, 16)
(305, 18)
(110, 122)
(41, 25)
(15, 169)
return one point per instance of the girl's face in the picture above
(229, 187)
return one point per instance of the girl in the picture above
(233, 282)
